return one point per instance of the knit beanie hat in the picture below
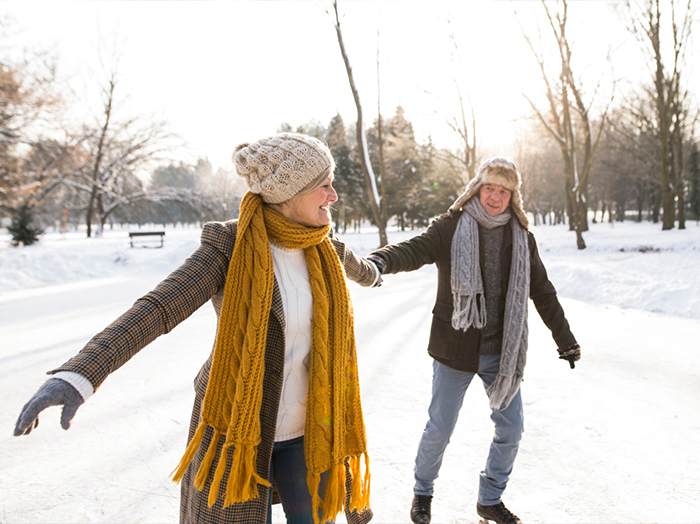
(502, 172)
(278, 167)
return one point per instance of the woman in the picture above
(277, 403)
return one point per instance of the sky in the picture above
(222, 73)
(605, 443)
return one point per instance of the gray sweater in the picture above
(492, 333)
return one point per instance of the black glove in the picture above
(572, 354)
(54, 392)
(378, 261)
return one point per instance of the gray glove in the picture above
(54, 392)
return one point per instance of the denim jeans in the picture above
(449, 386)
(288, 474)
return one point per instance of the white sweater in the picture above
(292, 276)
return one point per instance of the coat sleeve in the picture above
(544, 295)
(357, 269)
(415, 252)
(159, 311)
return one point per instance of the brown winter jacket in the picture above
(456, 348)
(201, 278)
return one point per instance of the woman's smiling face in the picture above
(311, 209)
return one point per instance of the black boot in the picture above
(420, 509)
(497, 513)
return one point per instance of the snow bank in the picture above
(628, 265)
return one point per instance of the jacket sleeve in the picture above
(159, 311)
(415, 252)
(544, 295)
(357, 269)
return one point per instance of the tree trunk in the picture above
(90, 210)
(99, 153)
(370, 180)
(564, 96)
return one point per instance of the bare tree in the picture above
(370, 179)
(114, 152)
(463, 161)
(465, 129)
(380, 141)
(672, 119)
(567, 115)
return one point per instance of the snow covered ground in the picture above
(613, 441)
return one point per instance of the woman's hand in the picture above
(54, 392)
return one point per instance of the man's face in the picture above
(494, 198)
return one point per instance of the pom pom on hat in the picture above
(502, 172)
(279, 167)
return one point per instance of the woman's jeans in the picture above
(288, 474)
(449, 386)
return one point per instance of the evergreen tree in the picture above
(174, 175)
(403, 168)
(439, 188)
(349, 181)
(21, 228)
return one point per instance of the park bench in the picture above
(141, 234)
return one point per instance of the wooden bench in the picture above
(134, 234)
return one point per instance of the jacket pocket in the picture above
(443, 311)
(459, 348)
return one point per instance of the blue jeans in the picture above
(288, 474)
(449, 386)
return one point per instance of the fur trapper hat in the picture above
(279, 167)
(502, 172)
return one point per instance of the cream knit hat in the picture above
(278, 167)
(501, 172)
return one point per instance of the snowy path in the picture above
(612, 441)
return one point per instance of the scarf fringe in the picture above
(503, 390)
(190, 452)
(203, 472)
(469, 311)
(335, 494)
(242, 484)
(359, 495)
(313, 481)
(218, 477)
(243, 478)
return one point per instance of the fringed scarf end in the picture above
(503, 390)
(243, 478)
(313, 481)
(204, 468)
(359, 495)
(469, 311)
(334, 496)
(190, 452)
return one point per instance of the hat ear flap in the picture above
(516, 204)
(472, 189)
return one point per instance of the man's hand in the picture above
(378, 261)
(54, 392)
(572, 354)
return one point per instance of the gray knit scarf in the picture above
(470, 303)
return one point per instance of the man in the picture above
(488, 264)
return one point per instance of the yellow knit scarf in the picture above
(334, 428)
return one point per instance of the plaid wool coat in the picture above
(199, 279)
